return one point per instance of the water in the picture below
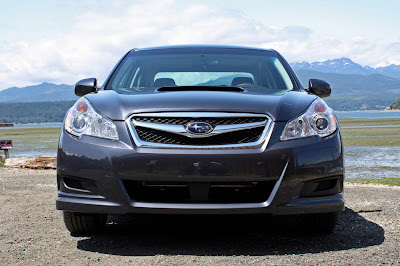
(368, 114)
(372, 162)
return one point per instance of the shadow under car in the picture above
(213, 235)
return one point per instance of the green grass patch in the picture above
(370, 136)
(355, 122)
(373, 132)
(27, 140)
(382, 181)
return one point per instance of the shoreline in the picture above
(391, 111)
(363, 111)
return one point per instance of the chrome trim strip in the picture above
(180, 129)
(88, 202)
(277, 185)
(76, 189)
(235, 127)
(198, 114)
(209, 206)
(177, 129)
(261, 142)
(75, 195)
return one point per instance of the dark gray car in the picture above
(200, 130)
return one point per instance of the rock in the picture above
(38, 162)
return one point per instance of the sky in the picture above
(63, 41)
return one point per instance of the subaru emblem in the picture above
(199, 128)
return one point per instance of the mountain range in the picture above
(45, 92)
(352, 92)
(347, 66)
(354, 87)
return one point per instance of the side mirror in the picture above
(85, 86)
(319, 87)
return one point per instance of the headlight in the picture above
(82, 119)
(318, 120)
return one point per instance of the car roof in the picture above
(200, 46)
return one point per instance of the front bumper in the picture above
(306, 175)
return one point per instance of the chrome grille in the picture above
(169, 130)
(241, 136)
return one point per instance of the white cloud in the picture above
(96, 41)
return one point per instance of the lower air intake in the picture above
(185, 192)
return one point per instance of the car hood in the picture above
(278, 107)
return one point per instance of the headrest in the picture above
(164, 82)
(240, 80)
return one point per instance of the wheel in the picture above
(323, 223)
(84, 223)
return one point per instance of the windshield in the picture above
(256, 73)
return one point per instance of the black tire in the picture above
(320, 223)
(84, 223)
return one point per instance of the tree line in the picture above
(34, 112)
(395, 105)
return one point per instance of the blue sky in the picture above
(62, 41)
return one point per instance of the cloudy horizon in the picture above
(64, 41)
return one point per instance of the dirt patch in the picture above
(38, 162)
(32, 231)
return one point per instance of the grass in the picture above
(355, 122)
(367, 136)
(374, 141)
(26, 140)
(371, 132)
(382, 181)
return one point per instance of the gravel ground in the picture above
(32, 232)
